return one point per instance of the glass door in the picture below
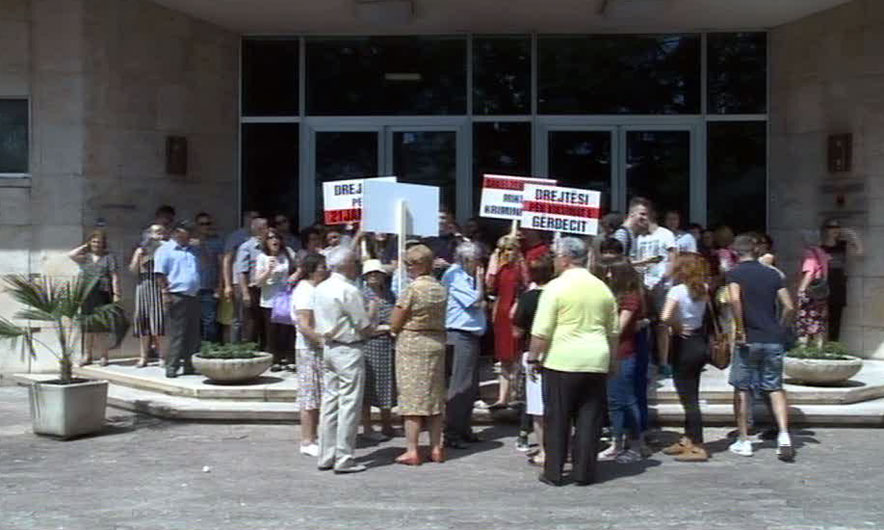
(658, 167)
(428, 157)
(583, 157)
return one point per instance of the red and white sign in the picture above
(556, 209)
(342, 200)
(502, 195)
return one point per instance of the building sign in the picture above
(342, 200)
(556, 209)
(502, 195)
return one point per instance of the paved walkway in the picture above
(144, 473)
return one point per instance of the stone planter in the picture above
(821, 371)
(233, 370)
(70, 410)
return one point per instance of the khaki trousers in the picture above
(343, 387)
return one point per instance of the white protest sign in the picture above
(381, 204)
(556, 209)
(342, 199)
(502, 195)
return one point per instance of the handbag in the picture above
(818, 288)
(281, 312)
(719, 346)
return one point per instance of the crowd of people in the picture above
(575, 325)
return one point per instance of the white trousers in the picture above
(343, 387)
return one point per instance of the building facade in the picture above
(720, 112)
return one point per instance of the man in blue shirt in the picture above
(178, 263)
(250, 313)
(211, 253)
(466, 323)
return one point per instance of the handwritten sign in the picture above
(342, 199)
(556, 209)
(502, 195)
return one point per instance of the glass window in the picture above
(344, 155)
(13, 136)
(427, 157)
(737, 73)
(270, 168)
(269, 77)
(502, 148)
(501, 75)
(582, 159)
(619, 74)
(658, 168)
(386, 75)
(737, 175)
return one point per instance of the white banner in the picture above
(342, 199)
(502, 195)
(381, 207)
(556, 209)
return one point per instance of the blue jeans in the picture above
(208, 315)
(622, 403)
(640, 383)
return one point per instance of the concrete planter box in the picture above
(67, 411)
(233, 370)
(821, 371)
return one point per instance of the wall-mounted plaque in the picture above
(840, 152)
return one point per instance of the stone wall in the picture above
(108, 81)
(827, 77)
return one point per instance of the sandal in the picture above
(141, 363)
(407, 460)
(537, 460)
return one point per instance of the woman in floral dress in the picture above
(380, 381)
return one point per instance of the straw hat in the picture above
(373, 265)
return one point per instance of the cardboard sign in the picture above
(556, 209)
(502, 195)
(342, 199)
(380, 208)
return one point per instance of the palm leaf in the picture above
(31, 293)
(35, 314)
(11, 332)
(71, 295)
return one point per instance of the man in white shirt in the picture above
(684, 241)
(344, 325)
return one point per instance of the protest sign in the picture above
(557, 209)
(342, 199)
(502, 195)
(383, 201)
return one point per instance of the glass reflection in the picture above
(270, 168)
(386, 75)
(13, 136)
(737, 73)
(269, 77)
(619, 74)
(427, 157)
(582, 159)
(658, 167)
(737, 175)
(501, 75)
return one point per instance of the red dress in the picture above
(508, 284)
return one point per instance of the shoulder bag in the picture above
(719, 346)
(818, 288)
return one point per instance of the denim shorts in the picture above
(758, 366)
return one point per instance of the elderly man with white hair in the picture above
(344, 325)
(465, 324)
(573, 338)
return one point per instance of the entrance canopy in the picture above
(495, 16)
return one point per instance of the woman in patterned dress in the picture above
(96, 262)
(813, 314)
(150, 320)
(380, 386)
(419, 323)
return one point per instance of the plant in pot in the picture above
(67, 406)
(231, 363)
(826, 364)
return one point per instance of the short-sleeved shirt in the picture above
(578, 315)
(180, 266)
(656, 244)
(246, 259)
(685, 242)
(277, 281)
(426, 301)
(759, 285)
(626, 237)
(102, 268)
(629, 302)
(465, 311)
(339, 310)
(302, 300)
(690, 311)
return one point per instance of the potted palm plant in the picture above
(65, 407)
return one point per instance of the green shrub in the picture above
(213, 350)
(830, 351)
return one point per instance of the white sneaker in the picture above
(741, 447)
(310, 450)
